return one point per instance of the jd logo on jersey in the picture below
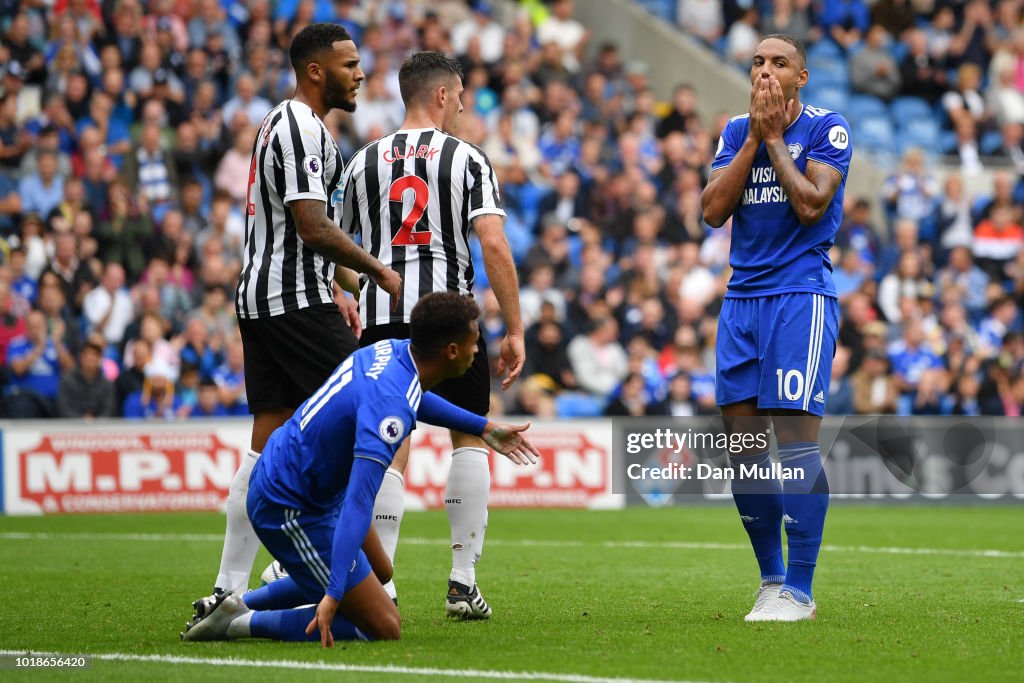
(838, 137)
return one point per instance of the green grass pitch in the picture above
(903, 592)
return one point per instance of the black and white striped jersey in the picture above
(294, 157)
(411, 198)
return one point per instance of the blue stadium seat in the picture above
(906, 108)
(990, 142)
(828, 73)
(919, 132)
(866, 105)
(572, 404)
(947, 141)
(825, 49)
(875, 132)
(830, 97)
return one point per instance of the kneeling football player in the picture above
(312, 491)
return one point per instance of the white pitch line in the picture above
(528, 543)
(352, 668)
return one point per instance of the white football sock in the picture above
(240, 541)
(388, 509)
(465, 499)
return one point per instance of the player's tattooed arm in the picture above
(725, 186)
(326, 238)
(809, 193)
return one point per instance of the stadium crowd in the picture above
(125, 133)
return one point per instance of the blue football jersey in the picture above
(364, 410)
(771, 251)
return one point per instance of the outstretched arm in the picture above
(507, 439)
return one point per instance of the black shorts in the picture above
(471, 392)
(288, 357)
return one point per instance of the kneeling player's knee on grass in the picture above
(388, 627)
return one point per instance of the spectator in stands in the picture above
(967, 279)
(913, 192)
(233, 170)
(200, 348)
(108, 307)
(208, 401)
(12, 325)
(632, 399)
(791, 17)
(840, 390)
(967, 150)
(701, 19)
(872, 69)
(84, 392)
(157, 398)
(1005, 98)
(966, 100)
(41, 192)
(845, 21)
(568, 33)
(123, 235)
(911, 358)
(683, 114)
(10, 206)
(679, 401)
(874, 391)
(742, 39)
(546, 354)
(248, 101)
(906, 282)
(36, 362)
(481, 25)
(75, 276)
(151, 171)
(230, 379)
(379, 110)
(1003, 318)
(895, 16)
(14, 141)
(598, 360)
(997, 241)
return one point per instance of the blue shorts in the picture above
(777, 349)
(300, 541)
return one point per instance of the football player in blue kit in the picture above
(312, 491)
(780, 172)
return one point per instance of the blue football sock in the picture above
(281, 594)
(759, 501)
(290, 625)
(805, 501)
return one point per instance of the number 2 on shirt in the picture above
(408, 236)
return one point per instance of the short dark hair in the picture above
(800, 49)
(422, 71)
(311, 41)
(440, 318)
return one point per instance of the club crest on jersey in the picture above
(391, 429)
(795, 150)
(312, 165)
